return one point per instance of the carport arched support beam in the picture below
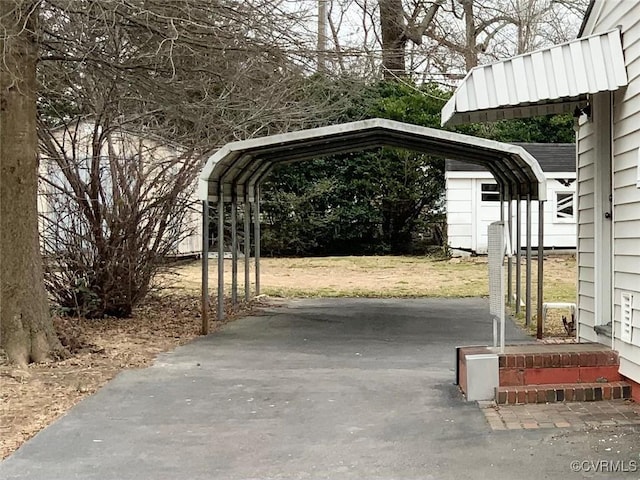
(237, 161)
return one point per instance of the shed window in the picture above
(564, 206)
(490, 192)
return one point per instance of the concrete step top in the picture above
(552, 348)
(559, 359)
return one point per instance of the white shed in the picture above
(75, 142)
(473, 200)
(597, 77)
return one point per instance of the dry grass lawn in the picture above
(377, 277)
(352, 277)
(389, 276)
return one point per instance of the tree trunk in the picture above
(470, 52)
(322, 36)
(26, 328)
(394, 39)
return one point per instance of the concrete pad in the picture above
(317, 389)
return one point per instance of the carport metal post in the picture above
(205, 267)
(540, 268)
(509, 259)
(221, 251)
(518, 254)
(503, 195)
(247, 245)
(256, 235)
(256, 179)
(528, 274)
(234, 246)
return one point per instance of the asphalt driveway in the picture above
(314, 389)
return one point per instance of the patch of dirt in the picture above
(32, 398)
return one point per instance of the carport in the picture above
(234, 173)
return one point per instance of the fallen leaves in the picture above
(32, 398)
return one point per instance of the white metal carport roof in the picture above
(239, 166)
(234, 173)
(551, 80)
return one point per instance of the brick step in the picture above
(562, 392)
(559, 359)
(512, 376)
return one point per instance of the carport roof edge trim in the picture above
(228, 163)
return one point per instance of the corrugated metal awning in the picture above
(239, 166)
(551, 80)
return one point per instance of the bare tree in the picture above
(398, 27)
(469, 32)
(444, 39)
(114, 206)
(214, 75)
(205, 72)
(196, 72)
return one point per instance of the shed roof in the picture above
(551, 80)
(552, 157)
(240, 166)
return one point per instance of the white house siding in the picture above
(124, 144)
(626, 191)
(468, 217)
